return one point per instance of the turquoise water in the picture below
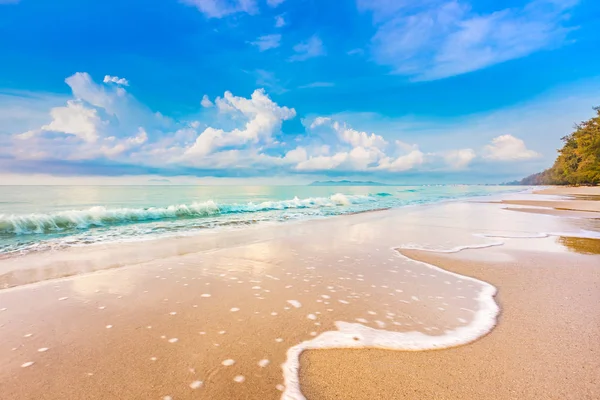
(46, 217)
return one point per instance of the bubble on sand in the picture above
(311, 316)
(167, 398)
(229, 362)
(234, 309)
(173, 313)
(279, 340)
(101, 307)
(205, 295)
(42, 349)
(109, 326)
(196, 384)
(255, 287)
(263, 363)
(343, 302)
(295, 303)
(280, 387)
(27, 364)
(239, 378)
(28, 335)
(153, 358)
(173, 340)
(62, 298)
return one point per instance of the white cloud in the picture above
(318, 121)
(311, 48)
(99, 121)
(274, 3)
(9, 1)
(459, 159)
(355, 52)
(508, 148)
(267, 42)
(317, 85)
(116, 80)
(279, 21)
(222, 8)
(245, 134)
(356, 151)
(75, 119)
(206, 103)
(358, 139)
(402, 163)
(442, 38)
(264, 117)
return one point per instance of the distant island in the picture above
(578, 162)
(164, 180)
(347, 183)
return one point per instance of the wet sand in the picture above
(546, 344)
(571, 190)
(213, 316)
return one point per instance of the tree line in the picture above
(578, 161)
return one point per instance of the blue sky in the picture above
(293, 90)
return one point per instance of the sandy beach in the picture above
(215, 315)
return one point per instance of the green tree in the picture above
(578, 162)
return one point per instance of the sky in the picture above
(291, 91)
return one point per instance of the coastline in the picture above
(343, 264)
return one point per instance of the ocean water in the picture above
(34, 218)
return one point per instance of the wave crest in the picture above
(100, 216)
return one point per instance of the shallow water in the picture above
(34, 218)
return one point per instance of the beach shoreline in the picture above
(160, 326)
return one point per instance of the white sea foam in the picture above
(195, 384)
(263, 363)
(295, 303)
(355, 335)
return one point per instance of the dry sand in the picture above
(165, 325)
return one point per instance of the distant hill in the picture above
(347, 183)
(578, 162)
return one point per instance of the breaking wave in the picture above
(101, 216)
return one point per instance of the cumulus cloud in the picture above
(311, 48)
(106, 123)
(263, 117)
(508, 148)
(206, 103)
(441, 38)
(459, 159)
(267, 42)
(116, 80)
(354, 150)
(222, 8)
(274, 3)
(97, 122)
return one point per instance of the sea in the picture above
(38, 218)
